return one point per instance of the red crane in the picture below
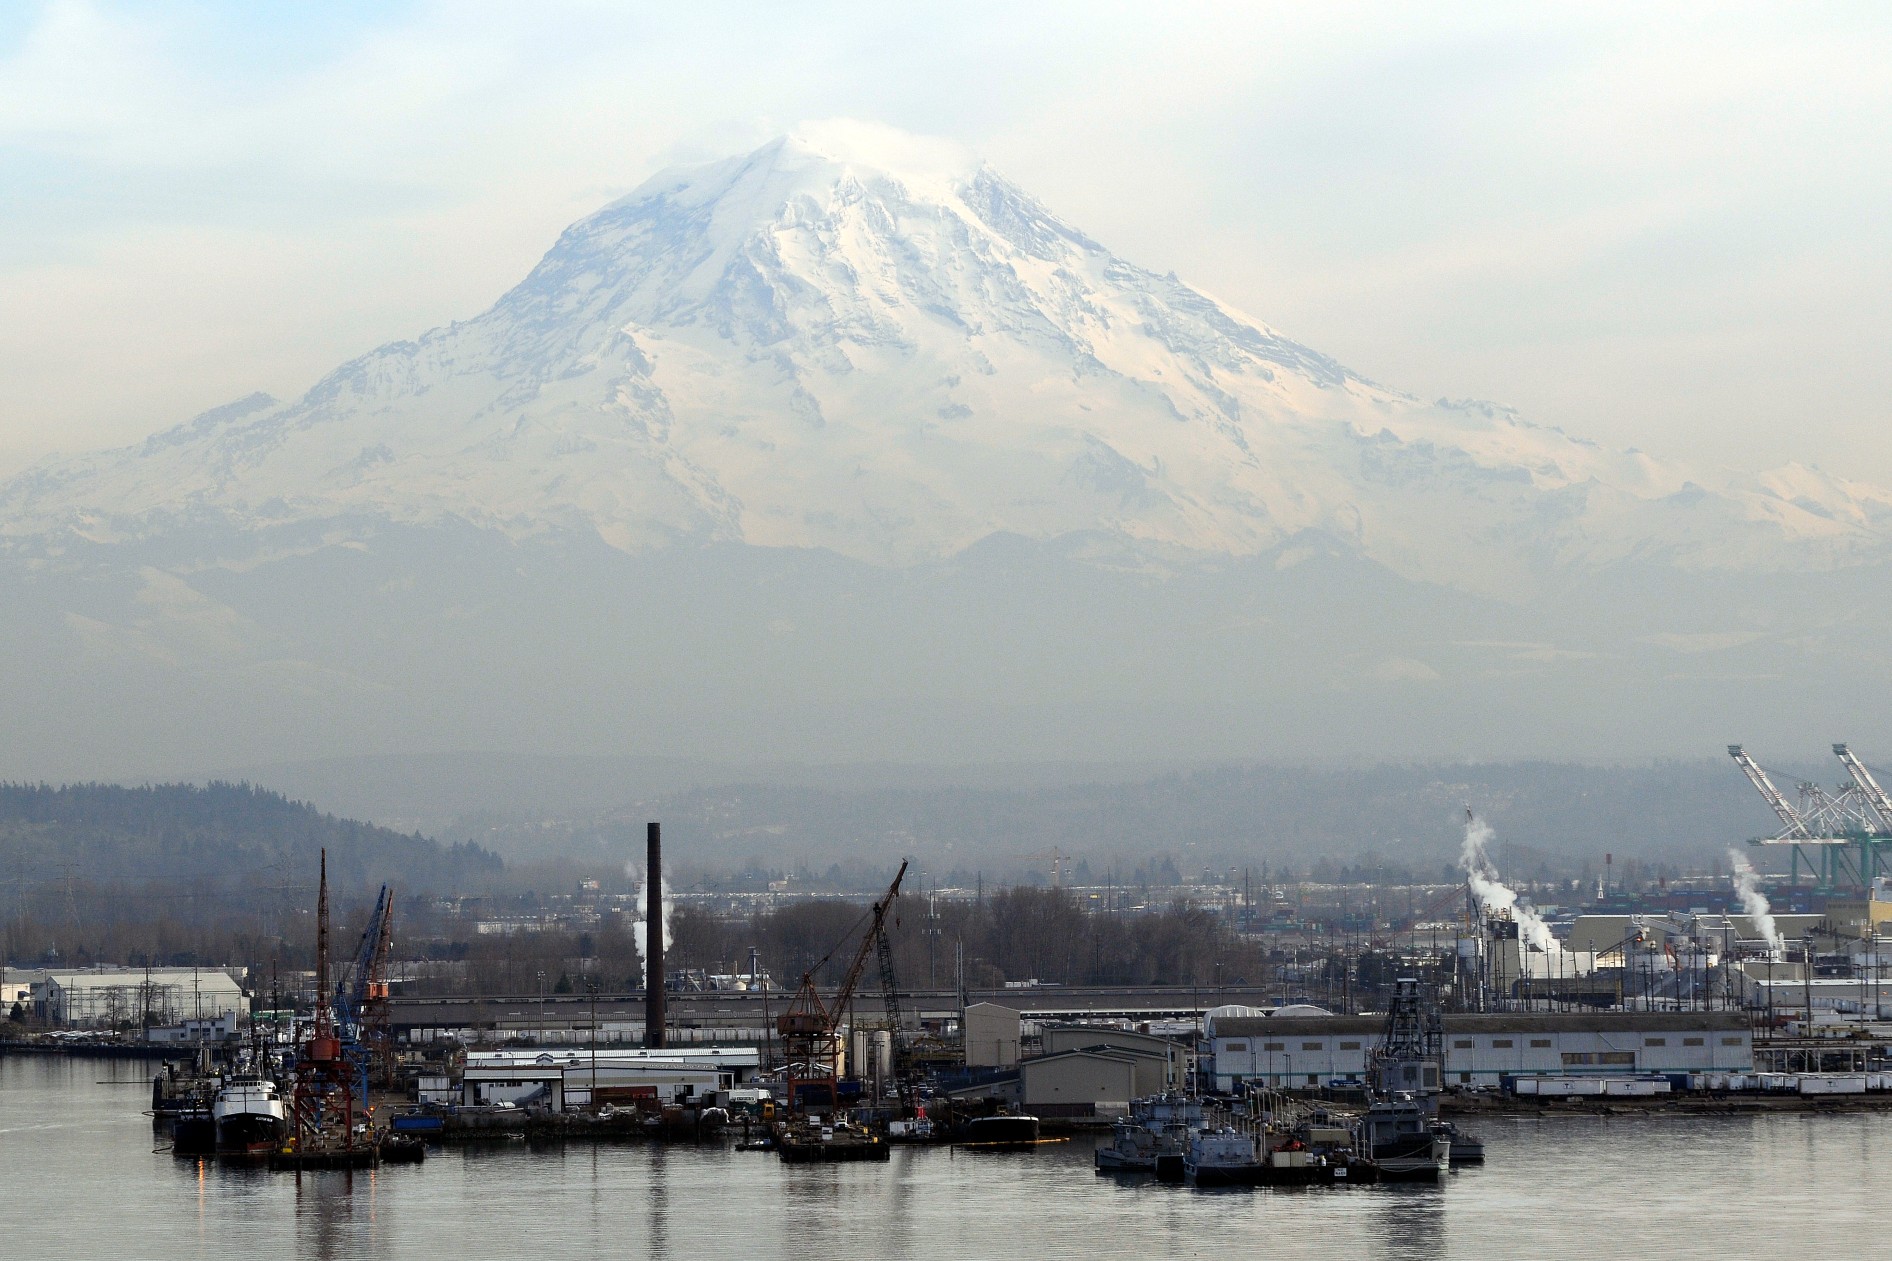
(810, 1027)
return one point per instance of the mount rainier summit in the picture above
(859, 341)
(842, 390)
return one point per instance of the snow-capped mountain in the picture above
(855, 340)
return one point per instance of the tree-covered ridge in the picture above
(220, 835)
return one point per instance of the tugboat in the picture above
(1400, 1132)
(1398, 1136)
(1131, 1149)
(1222, 1158)
(249, 1116)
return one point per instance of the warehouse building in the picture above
(1297, 1052)
(1161, 1064)
(113, 997)
(1082, 1083)
(1087, 1071)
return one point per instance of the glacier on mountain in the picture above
(856, 340)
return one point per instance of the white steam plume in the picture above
(1493, 894)
(1747, 887)
(642, 926)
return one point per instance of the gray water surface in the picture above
(80, 1178)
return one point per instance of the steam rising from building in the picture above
(1754, 903)
(1496, 897)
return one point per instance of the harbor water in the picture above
(84, 1179)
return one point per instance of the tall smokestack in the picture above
(654, 941)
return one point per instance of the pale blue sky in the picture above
(1661, 228)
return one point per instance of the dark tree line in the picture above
(1015, 934)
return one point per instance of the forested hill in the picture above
(218, 836)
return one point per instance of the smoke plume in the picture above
(642, 926)
(1747, 887)
(1496, 896)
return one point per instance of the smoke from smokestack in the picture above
(1747, 887)
(641, 924)
(1496, 896)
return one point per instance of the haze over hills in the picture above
(847, 448)
(1000, 821)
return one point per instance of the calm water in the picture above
(81, 1179)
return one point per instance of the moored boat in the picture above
(807, 1140)
(1002, 1132)
(193, 1133)
(1397, 1135)
(1467, 1147)
(249, 1116)
(1222, 1158)
(1131, 1148)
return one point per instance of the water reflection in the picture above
(1411, 1221)
(658, 1244)
(325, 1215)
(1552, 1188)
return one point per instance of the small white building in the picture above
(16, 986)
(566, 1077)
(210, 1029)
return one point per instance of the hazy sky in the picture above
(1664, 229)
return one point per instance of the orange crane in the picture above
(810, 1027)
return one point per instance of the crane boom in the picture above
(370, 962)
(874, 930)
(810, 1025)
(1796, 826)
(1881, 803)
(889, 982)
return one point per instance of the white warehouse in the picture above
(1301, 1051)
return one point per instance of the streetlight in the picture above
(541, 976)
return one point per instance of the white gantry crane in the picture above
(1867, 785)
(1838, 834)
(1797, 828)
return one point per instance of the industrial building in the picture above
(1161, 1064)
(1084, 1071)
(217, 1028)
(992, 1035)
(1078, 1083)
(575, 1077)
(1302, 1051)
(110, 997)
(1789, 993)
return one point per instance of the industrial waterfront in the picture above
(1553, 1187)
